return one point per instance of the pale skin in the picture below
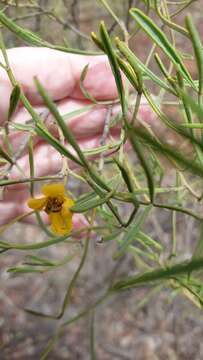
(60, 74)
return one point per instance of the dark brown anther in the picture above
(53, 205)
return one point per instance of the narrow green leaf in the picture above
(143, 253)
(68, 136)
(127, 179)
(148, 241)
(167, 150)
(128, 71)
(141, 156)
(14, 100)
(31, 164)
(168, 22)
(187, 109)
(112, 236)
(24, 270)
(22, 127)
(86, 197)
(78, 112)
(172, 124)
(188, 114)
(159, 274)
(135, 62)
(113, 62)
(35, 246)
(37, 260)
(59, 119)
(86, 94)
(97, 41)
(108, 202)
(45, 134)
(25, 35)
(101, 195)
(161, 40)
(125, 175)
(102, 149)
(196, 108)
(138, 73)
(33, 39)
(5, 155)
(193, 126)
(131, 234)
(91, 204)
(197, 46)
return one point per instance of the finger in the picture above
(89, 123)
(47, 161)
(85, 125)
(99, 82)
(58, 72)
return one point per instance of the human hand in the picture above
(59, 73)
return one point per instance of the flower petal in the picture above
(37, 204)
(59, 224)
(67, 204)
(53, 190)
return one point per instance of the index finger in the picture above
(58, 72)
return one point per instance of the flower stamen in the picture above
(53, 205)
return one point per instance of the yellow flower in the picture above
(56, 205)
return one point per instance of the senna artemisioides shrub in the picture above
(149, 169)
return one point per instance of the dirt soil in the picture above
(167, 326)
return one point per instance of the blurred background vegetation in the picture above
(68, 18)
